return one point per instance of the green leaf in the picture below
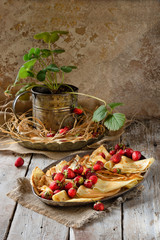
(113, 105)
(58, 51)
(45, 36)
(66, 69)
(37, 51)
(23, 73)
(100, 113)
(41, 75)
(45, 52)
(115, 121)
(53, 68)
(31, 51)
(25, 57)
(53, 37)
(28, 65)
(61, 32)
(73, 67)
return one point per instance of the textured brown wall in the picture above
(114, 43)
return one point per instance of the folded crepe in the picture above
(127, 165)
(109, 182)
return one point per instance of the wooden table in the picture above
(138, 218)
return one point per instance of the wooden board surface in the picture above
(138, 218)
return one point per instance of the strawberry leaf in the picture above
(115, 121)
(99, 114)
(113, 105)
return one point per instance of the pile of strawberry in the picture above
(121, 150)
(78, 176)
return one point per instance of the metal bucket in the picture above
(54, 110)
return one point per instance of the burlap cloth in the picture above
(74, 217)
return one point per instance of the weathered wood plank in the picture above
(105, 228)
(8, 174)
(30, 225)
(141, 217)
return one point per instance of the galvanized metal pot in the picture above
(54, 110)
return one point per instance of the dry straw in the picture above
(28, 128)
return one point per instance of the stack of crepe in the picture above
(109, 182)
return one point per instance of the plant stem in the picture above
(62, 78)
(87, 95)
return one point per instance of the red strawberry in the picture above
(116, 170)
(50, 134)
(72, 192)
(54, 186)
(95, 134)
(78, 111)
(128, 152)
(100, 163)
(53, 175)
(78, 169)
(78, 180)
(93, 178)
(69, 173)
(116, 158)
(19, 162)
(64, 130)
(136, 155)
(56, 191)
(64, 168)
(112, 152)
(98, 206)
(89, 173)
(47, 195)
(102, 155)
(97, 167)
(88, 183)
(117, 147)
(59, 177)
(68, 186)
(121, 152)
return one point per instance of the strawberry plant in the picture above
(112, 121)
(40, 65)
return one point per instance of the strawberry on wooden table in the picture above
(19, 162)
(98, 206)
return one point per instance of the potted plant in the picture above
(52, 99)
(41, 74)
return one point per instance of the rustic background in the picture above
(114, 43)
